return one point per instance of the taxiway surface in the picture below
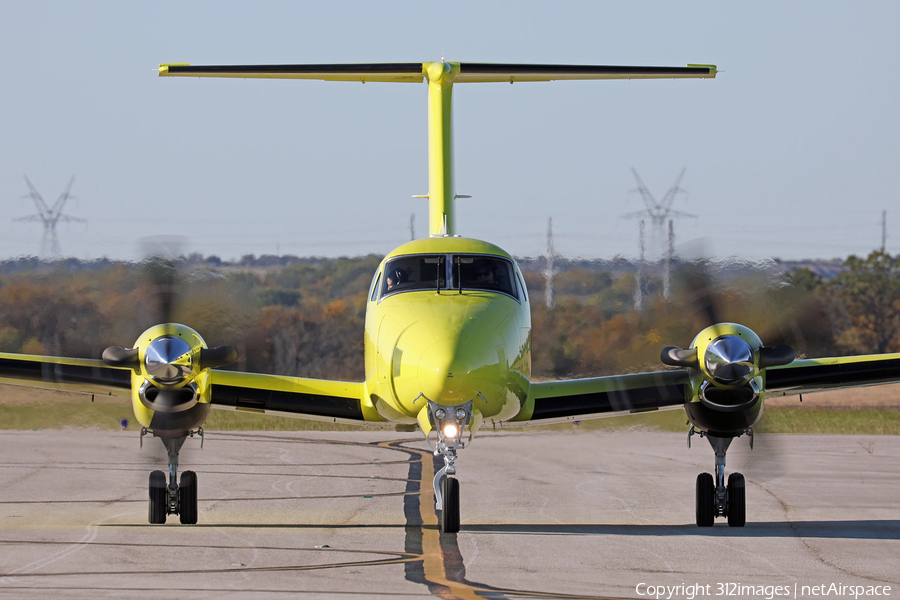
(351, 515)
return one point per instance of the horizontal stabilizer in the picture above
(383, 72)
(416, 72)
(512, 73)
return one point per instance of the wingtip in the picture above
(712, 68)
(164, 67)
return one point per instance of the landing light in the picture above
(450, 422)
(450, 430)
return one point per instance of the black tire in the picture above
(450, 508)
(706, 500)
(187, 498)
(159, 501)
(736, 500)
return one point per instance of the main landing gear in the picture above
(173, 498)
(715, 498)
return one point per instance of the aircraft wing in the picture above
(416, 72)
(72, 374)
(597, 397)
(820, 374)
(299, 397)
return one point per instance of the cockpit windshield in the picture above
(483, 273)
(409, 273)
(467, 272)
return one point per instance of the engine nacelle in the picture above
(169, 383)
(727, 362)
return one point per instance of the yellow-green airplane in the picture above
(448, 338)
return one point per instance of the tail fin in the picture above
(440, 77)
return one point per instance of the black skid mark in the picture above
(454, 565)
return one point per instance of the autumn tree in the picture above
(866, 298)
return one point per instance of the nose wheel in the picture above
(446, 491)
(446, 488)
(450, 505)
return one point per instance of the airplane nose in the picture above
(441, 372)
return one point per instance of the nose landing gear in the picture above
(446, 489)
(451, 423)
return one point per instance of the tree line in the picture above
(306, 317)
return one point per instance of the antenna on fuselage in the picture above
(412, 226)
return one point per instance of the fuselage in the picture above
(448, 320)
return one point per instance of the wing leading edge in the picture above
(72, 374)
(298, 397)
(598, 397)
(821, 374)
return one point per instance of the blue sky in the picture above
(792, 152)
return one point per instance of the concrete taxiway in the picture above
(351, 515)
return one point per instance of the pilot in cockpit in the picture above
(485, 271)
(395, 277)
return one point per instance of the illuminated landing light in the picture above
(450, 422)
(450, 430)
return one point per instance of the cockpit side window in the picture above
(408, 273)
(373, 289)
(484, 273)
(522, 285)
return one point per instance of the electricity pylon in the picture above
(549, 270)
(50, 216)
(658, 213)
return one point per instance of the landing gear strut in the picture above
(714, 498)
(173, 498)
(450, 422)
(446, 489)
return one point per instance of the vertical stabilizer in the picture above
(441, 195)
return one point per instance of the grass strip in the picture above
(109, 414)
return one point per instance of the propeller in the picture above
(163, 256)
(168, 359)
(728, 359)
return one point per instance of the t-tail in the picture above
(441, 77)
